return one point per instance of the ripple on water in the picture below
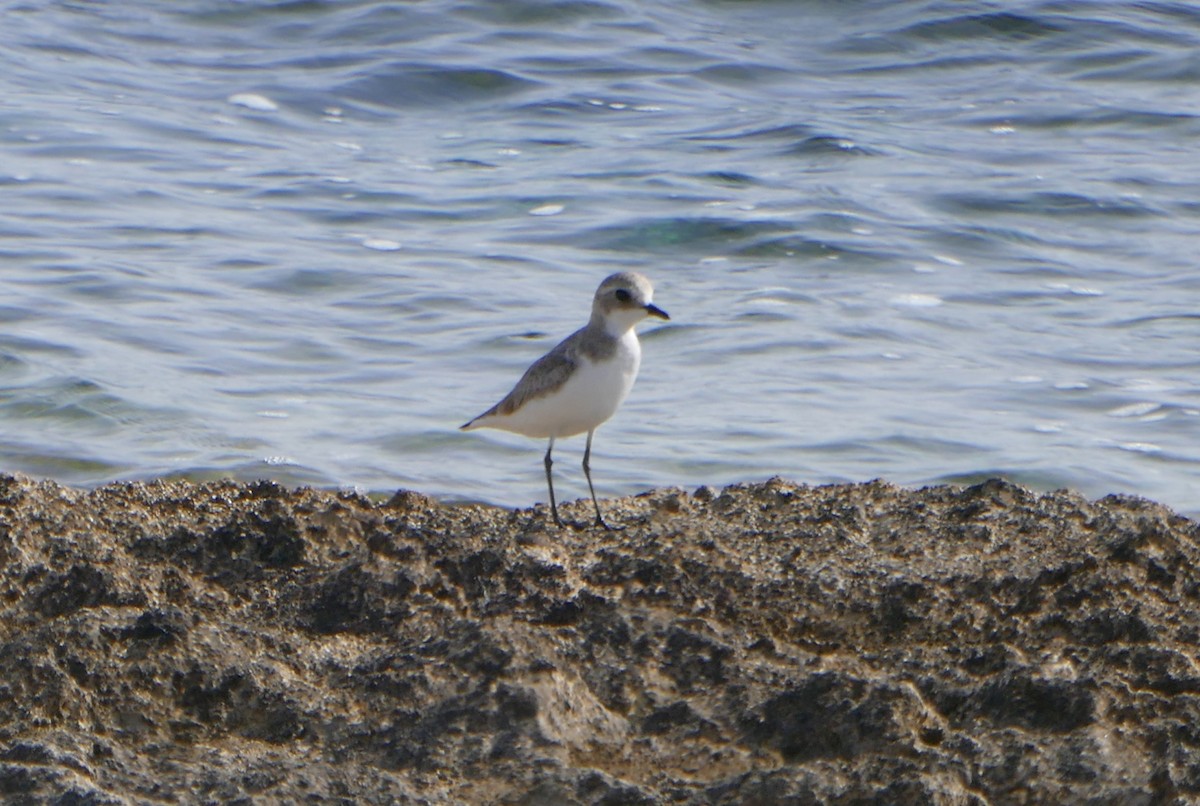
(524, 13)
(70, 464)
(799, 246)
(73, 403)
(23, 347)
(1061, 205)
(1135, 121)
(673, 235)
(826, 145)
(743, 73)
(407, 84)
(721, 132)
(987, 27)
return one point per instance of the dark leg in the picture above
(550, 483)
(587, 471)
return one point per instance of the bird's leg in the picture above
(587, 471)
(550, 483)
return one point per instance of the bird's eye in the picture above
(622, 295)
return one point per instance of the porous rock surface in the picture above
(767, 643)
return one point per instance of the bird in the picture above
(579, 384)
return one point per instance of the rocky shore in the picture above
(763, 644)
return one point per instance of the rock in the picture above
(765, 643)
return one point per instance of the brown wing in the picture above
(544, 376)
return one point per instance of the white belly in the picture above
(587, 399)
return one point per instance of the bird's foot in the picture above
(606, 526)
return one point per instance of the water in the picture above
(924, 241)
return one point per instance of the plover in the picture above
(580, 383)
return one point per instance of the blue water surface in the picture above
(924, 241)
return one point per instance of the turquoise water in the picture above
(926, 241)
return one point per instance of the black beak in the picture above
(654, 310)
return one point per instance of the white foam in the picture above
(1135, 410)
(252, 100)
(381, 244)
(917, 300)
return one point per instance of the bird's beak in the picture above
(654, 310)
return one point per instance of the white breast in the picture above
(588, 398)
